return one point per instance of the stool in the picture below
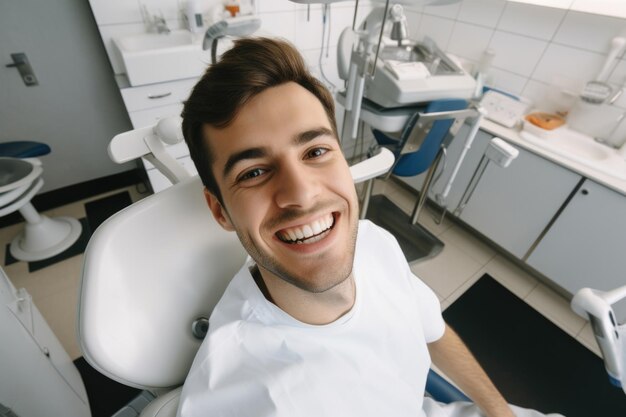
(42, 237)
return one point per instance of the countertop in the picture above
(513, 136)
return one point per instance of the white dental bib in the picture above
(259, 361)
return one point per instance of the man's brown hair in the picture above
(250, 67)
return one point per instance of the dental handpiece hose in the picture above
(468, 144)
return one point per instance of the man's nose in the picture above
(297, 186)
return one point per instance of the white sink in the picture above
(581, 148)
(152, 58)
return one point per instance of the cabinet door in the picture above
(513, 205)
(586, 246)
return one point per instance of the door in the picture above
(76, 108)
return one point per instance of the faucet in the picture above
(160, 25)
(155, 22)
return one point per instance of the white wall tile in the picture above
(481, 12)
(534, 21)
(448, 10)
(559, 4)
(615, 8)
(574, 63)
(340, 18)
(507, 81)
(308, 34)
(535, 91)
(469, 41)
(270, 6)
(115, 11)
(169, 9)
(591, 32)
(414, 20)
(437, 28)
(618, 76)
(280, 24)
(515, 53)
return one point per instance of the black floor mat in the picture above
(100, 210)
(533, 362)
(106, 396)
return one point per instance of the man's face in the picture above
(286, 188)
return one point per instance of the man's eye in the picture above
(316, 152)
(253, 173)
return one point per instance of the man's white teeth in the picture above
(308, 233)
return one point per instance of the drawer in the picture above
(149, 117)
(156, 95)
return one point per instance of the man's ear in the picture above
(219, 213)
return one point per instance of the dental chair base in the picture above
(42, 237)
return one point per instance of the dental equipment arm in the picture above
(149, 142)
(595, 306)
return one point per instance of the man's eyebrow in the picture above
(259, 152)
(250, 153)
(309, 135)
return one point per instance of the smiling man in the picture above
(326, 318)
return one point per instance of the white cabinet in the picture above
(149, 103)
(512, 206)
(586, 246)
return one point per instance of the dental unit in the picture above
(595, 306)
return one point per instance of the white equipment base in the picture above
(45, 239)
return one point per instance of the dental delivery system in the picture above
(595, 306)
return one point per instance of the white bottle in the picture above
(194, 16)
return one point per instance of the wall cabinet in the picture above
(586, 246)
(512, 206)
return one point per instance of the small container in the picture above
(232, 6)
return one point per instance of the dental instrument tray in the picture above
(446, 78)
(503, 109)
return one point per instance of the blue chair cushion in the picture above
(417, 162)
(443, 391)
(23, 149)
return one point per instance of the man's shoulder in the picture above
(372, 235)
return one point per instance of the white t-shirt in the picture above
(373, 361)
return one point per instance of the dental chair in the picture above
(419, 148)
(152, 274)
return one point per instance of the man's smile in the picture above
(311, 232)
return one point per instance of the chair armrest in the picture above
(372, 167)
(164, 405)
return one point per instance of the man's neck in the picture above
(307, 307)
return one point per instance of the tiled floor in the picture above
(465, 258)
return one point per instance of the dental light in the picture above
(595, 306)
(236, 26)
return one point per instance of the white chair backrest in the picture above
(149, 272)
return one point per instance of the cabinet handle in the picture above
(585, 192)
(156, 96)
